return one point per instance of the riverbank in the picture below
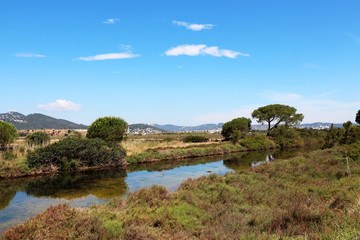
(155, 151)
(156, 155)
(19, 168)
(311, 196)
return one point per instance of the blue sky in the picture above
(179, 62)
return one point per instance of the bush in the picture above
(353, 151)
(8, 155)
(37, 139)
(286, 137)
(110, 129)
(256, 142)
(333, 136)
(352, 135)
(195, 139)
(236, 128)
(8, 133)
(86, 152)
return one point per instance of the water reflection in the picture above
(22, 198)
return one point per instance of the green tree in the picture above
(357, 119)
(37, 138)
(8, 133)
(111, 129)
(236, 128)
(277, 113)
(333, 136)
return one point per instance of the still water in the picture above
(23, 198)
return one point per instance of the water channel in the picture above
(26, 197)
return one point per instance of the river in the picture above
(26, 197)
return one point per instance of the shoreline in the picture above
(155, 156)
(261, 187)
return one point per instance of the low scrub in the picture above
(256, 142)
(37, 139)
(307, 197)
(285, 137)
(195, 139)
(13, 167)
(9, 155)
(70, 153)
(353, 151)
(208, 150)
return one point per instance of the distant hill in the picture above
(141, 128)
(317, 125)
(38, 121)
(218, 127)
(200, 128)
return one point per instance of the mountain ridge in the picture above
(38, 121)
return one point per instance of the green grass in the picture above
(13, 167)
(174, 154)
(311, 196)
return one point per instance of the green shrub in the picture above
(286, 137)
(353, 151)
(87, 152)
(66, 164)
(236, 129)
(195, 139)
(256, 142)
(352, 135)
(333, 136)
(23, 134)
(8, 133)
(110, 129)
(167, 140)
(37, 139)
(8, 155)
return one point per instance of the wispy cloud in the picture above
(193, 26)
(126, 47)
(195, 50)
(61, 106)
(354, 37)
(325, 94)
(108, 56)
(29, 55)
(111, 21)
(280, 96)
(312, 66)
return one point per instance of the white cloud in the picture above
(29, 55)
(193, 26)
(201, 49)
(61, 106)
(108, 56)
(110, 21)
